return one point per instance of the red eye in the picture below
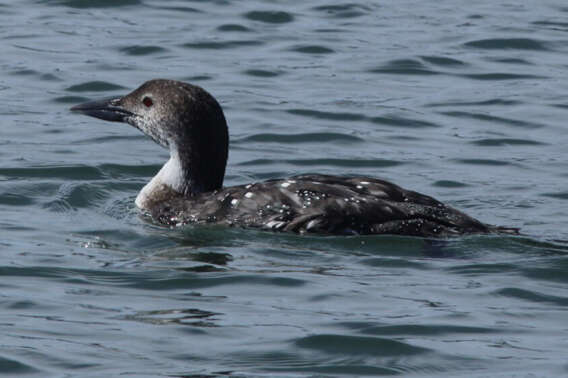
(147, 101)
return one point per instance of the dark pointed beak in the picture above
(108, 109)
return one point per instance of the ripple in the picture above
(4, 9)
(10, 366)
(302, 138)
(141, 50)
(41, 76)
(218, 45)
(491, 102)
(58, 206)
(511, 61)
(14, 199)
(483, 162)
(559, 195)
(49, 77)
(358, 345)
(212, 257)
(343, 10)
(192, 317)
(383, 262)
(417, 329)
(261, 73)
(330, 369)
(493, 119)
(184, 253)
(76, 196)
(69, 99)
(402, 122)
(554, 25)
(202, 269)
(532, 296)
(22, 36)
(404, 67)
(233, 28)
(373, 163)
(312, 49)
(25, 72)
(508, 44)
(443, 61)
(24, 193)
(329, 30)
(23, 305)
(65, 172)
(195, 281)
(94, 86)
(555, 271)
(484, 269)
(82, 4)
(270, 17)
(500, 76)
(296, 362)
(176, 8)
(198, 78)
(125, 170)
(327, 115)
(449, 184)
(498, 142)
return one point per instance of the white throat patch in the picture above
(170, 175)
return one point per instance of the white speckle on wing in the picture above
(311, 224)
(248, 186)
(364, 183)
(285, 184)
(275, 224)
(359, 186)
(234, 202)
(249, 194)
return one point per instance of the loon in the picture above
(188, 121)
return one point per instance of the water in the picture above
(465, 101)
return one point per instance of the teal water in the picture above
(464, 101)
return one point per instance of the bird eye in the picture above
(147, 101)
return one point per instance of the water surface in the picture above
(463, 101)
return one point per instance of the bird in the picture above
(189, 122)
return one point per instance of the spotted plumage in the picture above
(320, 204)
(188, 189)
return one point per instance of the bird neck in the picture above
(195, 168)
(201, 150)
(169, 178)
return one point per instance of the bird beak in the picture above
(108, 109)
